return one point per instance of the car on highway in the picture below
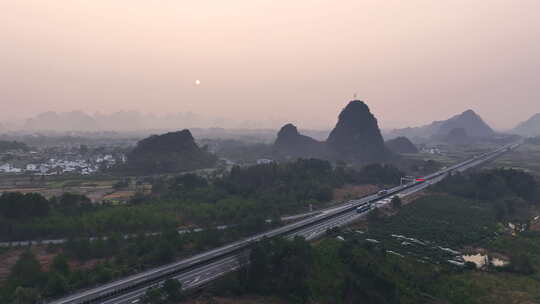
(363, 208)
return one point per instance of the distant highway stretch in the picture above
(202, 268)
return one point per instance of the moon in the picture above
(197, 82)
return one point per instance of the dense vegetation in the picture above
(267, 190)
(331, 271)
(376, 266)
(239, 151)
(492, 184)
(247, 195)
(105, 260)
(24, 216)
(506, 191)
(445, 220)
(466, 208)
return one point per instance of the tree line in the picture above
(506, 190)
(246, 196)
(331, 271)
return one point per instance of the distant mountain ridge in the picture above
(471, 122)
(75, 121)
(530, 127)
(356, 137)
(133, 121)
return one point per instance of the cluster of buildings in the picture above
(430, 150)
(60, 165)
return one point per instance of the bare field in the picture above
(95, 194)
(96, 190)
(353, 191)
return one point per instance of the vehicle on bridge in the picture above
(363, 208)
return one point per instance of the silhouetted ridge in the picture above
(401, 145)
(356, 138)
(290, 143)
(69, 121)
(170, 152)
(357, 135)
(530, 127)
(470, 122)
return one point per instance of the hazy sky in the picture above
(301, 61)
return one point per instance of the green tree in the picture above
(26, 272)
(153, 295)
(24, 295)
(60, 264)
(15, 205)
(56, 284)
(327, 279)
(521, 263)
(257, 268)
(173, 290)
(73, 204)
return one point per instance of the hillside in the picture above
(457, 136)
(530, 127)
(356, 137)
(69, 121)
(290, 143)
(471, 122)
(168, 153)
(401, 145)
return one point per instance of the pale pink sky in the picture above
(411, 61)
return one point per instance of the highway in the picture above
(202, 268)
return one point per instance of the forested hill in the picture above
(401, 145)
(357, 135)
(530, 127)
(470, 121)
(356, 138)
(168, 153)
(290, 143)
